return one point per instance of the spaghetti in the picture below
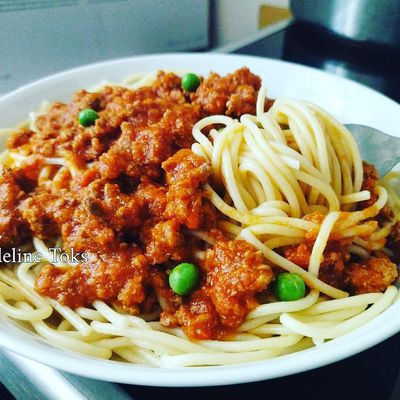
(288, 183)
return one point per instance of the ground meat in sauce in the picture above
(336, 269)
(234, 273)
(234, 94)
(12, 227)
(164, 241)
(385, 216)
(332, 267)
(374, 275)
(119, 276)
(185, 173)
(46, 212)
(106, 220)
(370, 181)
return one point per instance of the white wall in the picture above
(38, 38)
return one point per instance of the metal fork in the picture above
(376, 147)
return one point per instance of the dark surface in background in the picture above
(372, 374)
(371, 65)
(5, 394)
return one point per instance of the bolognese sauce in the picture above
(133, 198)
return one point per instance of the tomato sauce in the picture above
(135, 195)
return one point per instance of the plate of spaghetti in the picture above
(205, 217)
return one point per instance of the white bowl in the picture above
(349, 101)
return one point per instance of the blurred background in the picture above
(357, 39)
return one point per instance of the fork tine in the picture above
(376, 147)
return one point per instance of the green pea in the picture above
(183, 278)
(289, 287)
(88, 117)
(190, 82)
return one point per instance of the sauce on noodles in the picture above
(131, 208)
(133, 193)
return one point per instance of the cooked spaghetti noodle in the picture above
(264, 189)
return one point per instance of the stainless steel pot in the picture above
(364, 21)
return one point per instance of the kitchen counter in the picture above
(374, 66)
